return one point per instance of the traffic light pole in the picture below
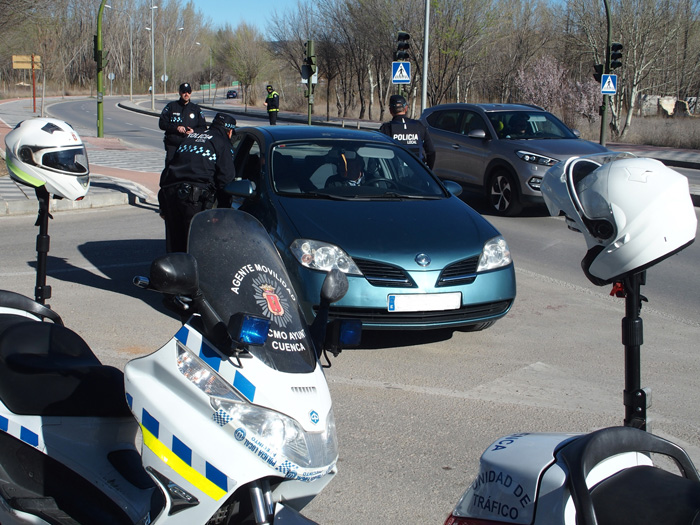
(606, 70)
(308, 70)
(100, 71)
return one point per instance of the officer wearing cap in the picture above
(178, 119)
(196, 177)
(272, 102)
(409, 132)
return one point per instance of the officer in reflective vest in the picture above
(409, 132)
(272, 102)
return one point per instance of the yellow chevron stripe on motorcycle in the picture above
(170, 458)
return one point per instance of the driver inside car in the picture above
(350, 172)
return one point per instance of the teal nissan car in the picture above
(416, 256)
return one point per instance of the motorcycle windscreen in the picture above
(241, 271)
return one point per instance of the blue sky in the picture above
(253, 12)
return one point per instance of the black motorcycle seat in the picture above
(47, 369)
(646, 495)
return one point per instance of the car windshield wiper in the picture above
(396, 195)
(330, 196)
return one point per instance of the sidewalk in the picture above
(122, 173)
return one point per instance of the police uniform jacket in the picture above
(204, 160)
(273, 101)
(177, 113)
(413, 134)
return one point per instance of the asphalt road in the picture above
(414, 410)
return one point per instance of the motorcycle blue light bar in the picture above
(249, 329)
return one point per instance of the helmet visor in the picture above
(70, 160)
(588, 180)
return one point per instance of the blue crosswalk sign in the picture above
(400, 72)
(608, 84)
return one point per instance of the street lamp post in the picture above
(210, 53)
(164, 78)
(153, 63)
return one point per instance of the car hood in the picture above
(561, 149)
(392, 231)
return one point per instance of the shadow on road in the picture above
(114, 266)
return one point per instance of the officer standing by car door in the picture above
(196, 177)
(409, 132)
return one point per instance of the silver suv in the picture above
(501, 149)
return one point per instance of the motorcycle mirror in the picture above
(335, 286)
(175, 274)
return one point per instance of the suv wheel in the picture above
(503, 194)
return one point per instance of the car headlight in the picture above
(323, 256)
(495, 254)
(534, 158)
(276, 439)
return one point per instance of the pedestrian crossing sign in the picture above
(608, 84)
(400, 72)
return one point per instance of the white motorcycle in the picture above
(633, 213)
(234, 412)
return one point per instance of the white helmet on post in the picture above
(633, 212)
(48, 152)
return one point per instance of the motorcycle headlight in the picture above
(282, 439)
(495, 254)
(323, 256)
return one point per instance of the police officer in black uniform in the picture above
(195, 178)
(412, 133)
(178, 119)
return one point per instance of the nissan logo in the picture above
(422, 259)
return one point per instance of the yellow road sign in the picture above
(25, 62)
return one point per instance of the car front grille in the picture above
(382, 274)
(381, 318)
(461, 272)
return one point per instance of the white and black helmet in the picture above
(633, 212)
(48, 152)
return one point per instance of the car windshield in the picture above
(520, 125)
(350, 169)
(241, 271)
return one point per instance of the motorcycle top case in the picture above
(510, 471)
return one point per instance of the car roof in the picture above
(301, 132)
(486, 107)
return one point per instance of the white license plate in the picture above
(427, 302)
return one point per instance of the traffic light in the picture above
(615, 55)
(402, 46)
(598, 75)
(308, 69)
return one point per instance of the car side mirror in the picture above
(240, 188)
(577, 133)
(453, 187)
(477, 134)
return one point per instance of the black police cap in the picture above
(397, 102)
(225, 121)
(185, 88)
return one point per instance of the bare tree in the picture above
(244, 54)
